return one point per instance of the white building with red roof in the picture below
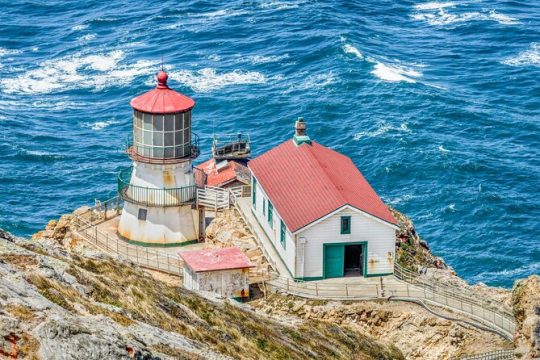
(220, 271)
(321, 215)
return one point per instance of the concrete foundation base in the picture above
(164, 226)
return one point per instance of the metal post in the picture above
(316, 290)
(287, 284)
(346, 289)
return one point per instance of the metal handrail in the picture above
(136, 152)
(164, 197)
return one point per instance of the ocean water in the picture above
(438, 104)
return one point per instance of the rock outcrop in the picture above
(526, 304)
(416, 332)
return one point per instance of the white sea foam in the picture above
(79, 27)
(281, 5)
(261, 59)
(78, 71)
(223, 13)
(206, 80)
(100, 125)
(349, 49)
(87, 37)
(382, 130)
(395, 72)
(319, 80)
(518, 272)
(4, 51)
(400, 200)
(434, 5)
(529, 57)
(439, 16)
(442, 149)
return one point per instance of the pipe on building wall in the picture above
(302, 240)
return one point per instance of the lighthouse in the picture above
(159, 189)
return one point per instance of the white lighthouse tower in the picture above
(159, 189)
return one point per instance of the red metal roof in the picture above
(233, 171)
(305, 183)
(215, 259)
(162, 99)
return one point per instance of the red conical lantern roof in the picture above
(162, 99)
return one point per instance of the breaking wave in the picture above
(529, 57)
(434, 5)
(93, 72)
(395, 72)
(435, 14)
(206, 80)
(349, 49)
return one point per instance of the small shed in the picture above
(220, 271)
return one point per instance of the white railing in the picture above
(213, 198)
(479, 312)
(86, 227)
(493, 355)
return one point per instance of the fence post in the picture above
(316, 290)
(96, 234)
(105, 213)
(408, 295)
(287, 284)
(346, 289)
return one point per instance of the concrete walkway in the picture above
(244, 208)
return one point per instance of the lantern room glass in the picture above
(162, 136)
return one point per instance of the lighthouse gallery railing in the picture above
(154, 197)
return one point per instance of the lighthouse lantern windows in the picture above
(162, 136)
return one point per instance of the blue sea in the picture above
(438, 104)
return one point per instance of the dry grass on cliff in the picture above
(127, 294)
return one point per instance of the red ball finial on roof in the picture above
(162, 79)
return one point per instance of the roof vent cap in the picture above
(300, 136)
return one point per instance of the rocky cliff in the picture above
(77, 303)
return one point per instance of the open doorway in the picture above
(353, 264)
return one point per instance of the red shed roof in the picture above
(162, 99)
(308, 182)
(226, 174)
(215, 259)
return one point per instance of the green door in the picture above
(333, 260)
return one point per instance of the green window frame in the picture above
(254, 193)
(282, 233)
(270, 214)
(345, 225)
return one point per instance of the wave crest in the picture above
(395, 73)
(435, 14)
(206, 80)
(529, 57)
(93, 72)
